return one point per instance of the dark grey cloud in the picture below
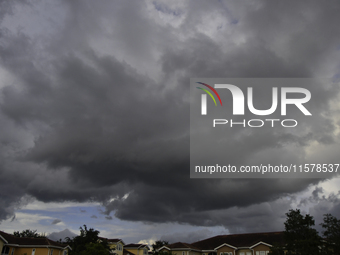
(94, 217)
(100, 106)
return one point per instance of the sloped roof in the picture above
(240, 240)
(126, 252)
(43, 241)
(115, 240)
(180, 245)
(136, 246)
(111, 240)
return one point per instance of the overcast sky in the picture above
(94, 113)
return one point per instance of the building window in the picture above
(221, 253)
(183, 252)
(65, 252)
(5, 250)
(12, 251)
(51, 251)
(262, 253)
(33, 251)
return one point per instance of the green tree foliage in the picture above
(300, 236)
(331, 234)
(28, 233)
(94, 248)
(277, 249)
(88, 242)
(159, 244)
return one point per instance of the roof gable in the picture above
(269, 245)
(225, 244)
(136, 246)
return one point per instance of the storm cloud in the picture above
(94, 104)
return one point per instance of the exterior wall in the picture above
(197, 253)
(1, 245)
(137, 251)
(244, 252)
(225, 249)
(261, 247)
(115, 246)
(38, 251)
(143, 251)
(180, 252)
(134, 251)
(163, 250)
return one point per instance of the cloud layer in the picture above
(94, 103)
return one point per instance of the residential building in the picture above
(12, 245)
(238, 244)
(136, 249)
(117, 245)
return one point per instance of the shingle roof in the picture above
(136, 246)
(112, 240)
(180, 245)
(240, 240)
(126, 252)
(11, 239)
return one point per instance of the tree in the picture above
(277, 249)
(95, 248)
(87, 242)
(331, 234)
(300, 236)
(28, 233)
(159, 244)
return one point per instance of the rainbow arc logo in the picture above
(204, 97)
